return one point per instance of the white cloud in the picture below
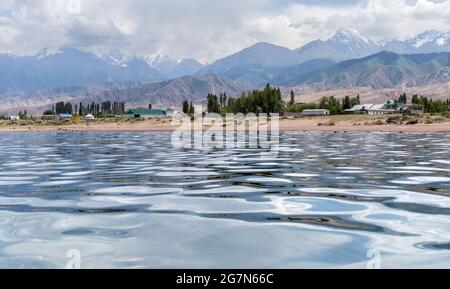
(204, 29)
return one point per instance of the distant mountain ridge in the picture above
(173, 92)
(65, 68)
(168, 93)
(172, 68)
(380, 71)
(168, 67)
(262, 63)
(430, 41)
(345, 44)
(349, 43)
(265, 62)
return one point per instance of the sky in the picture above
(205, 29)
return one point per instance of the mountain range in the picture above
(168, 93)
(350, 44)
(264, 62)
(379, 71)
(66, 68)
(346, 59)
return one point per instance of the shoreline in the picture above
(313, 124)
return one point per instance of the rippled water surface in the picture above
(132, 200)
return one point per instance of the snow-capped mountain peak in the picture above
(168, 66)
(116, 57)
(46, 52)
(349, 43)
(350, 35)
(346, 43)
(158, 59)
(436, 37)
(173, 67)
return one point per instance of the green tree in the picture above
(268, 100)
(346, 103)
(355, 101)
(331, 103)
(49, 112)
(62, 107)
(191, 109)
(301, 107)
(403, 99)
(431, 106)
(214, 104)
(292, 101)
(186, 107)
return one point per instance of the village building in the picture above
(378, 109)
(389, 107)
(49, 116)
(315, 112)
(14, 117)
(359, 109)
(63, 116)
(292, 114)
(149, 113)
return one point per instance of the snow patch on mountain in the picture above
(117, 57)
(350, 35)
(433, 36)
(44, 53)
(159, 59)
(349, 43)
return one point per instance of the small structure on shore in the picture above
(14, 117)
(292, 114)
(63, 116)
(149, 113)
(49, 116)
(89, 117)
(315, 112)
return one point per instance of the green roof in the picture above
(145, 111)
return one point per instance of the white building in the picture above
(89, 117)
(315, 112)
(14, 117)
(389, 107)
(378, 109)
(359, 109)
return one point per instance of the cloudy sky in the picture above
(205, 29)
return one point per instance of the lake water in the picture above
(131, 200)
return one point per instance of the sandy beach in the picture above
(340, 123)
(349, 126)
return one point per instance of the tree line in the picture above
(431, 106)
(268, 100)
(97, 109)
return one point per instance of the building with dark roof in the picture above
(148, 113)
